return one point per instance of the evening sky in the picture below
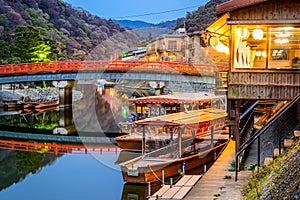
(145, 9)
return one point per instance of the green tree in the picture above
(29, 45)
(4, 53)
(40, 53)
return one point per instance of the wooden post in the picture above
(236, 129)
(211, 136)
(258, 151)
(180, 141)
(144, 141)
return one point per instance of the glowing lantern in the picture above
(258, 34)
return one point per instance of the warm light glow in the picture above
(264, 53)
(217, 44)
(281, 40)
(245, 33)
(282, 34)
(258, 34)
(258, 53)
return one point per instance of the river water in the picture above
(68, 176)
(33, 169)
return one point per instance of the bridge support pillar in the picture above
(65, 92)
(66, 125)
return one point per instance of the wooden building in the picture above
(263, 41)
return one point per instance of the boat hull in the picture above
(153, 172)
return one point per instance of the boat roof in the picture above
(178, 97)
(189, 119)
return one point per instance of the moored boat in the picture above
(159, 131)
(166, 162)
(153, 106)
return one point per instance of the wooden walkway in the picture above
(218, 182)
(177, 191)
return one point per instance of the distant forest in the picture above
(45, 30)
(200, 18)
(39, 30)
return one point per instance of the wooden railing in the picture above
(108, 65)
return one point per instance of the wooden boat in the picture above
(153, 106)
(151, 166)
(160, 130)
(46, 104)
(35, 105)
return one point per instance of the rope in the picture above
(160, 179)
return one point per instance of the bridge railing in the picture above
(108, 65)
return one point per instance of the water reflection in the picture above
(35, 171)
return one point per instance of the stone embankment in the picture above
(280, 178)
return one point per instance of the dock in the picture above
(218, 182)
(177, 191)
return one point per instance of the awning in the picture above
(189, 119)
(177, 98)
(219, 28)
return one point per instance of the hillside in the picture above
(133, 24)
(279, 180)
(148, 30)
(59, 31)
(200, 18)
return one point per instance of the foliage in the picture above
(71, 33)
(279, 180)
(28, 162)
(202, 17)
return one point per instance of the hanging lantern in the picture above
(245, 33)
(258, 34)
(281, 40)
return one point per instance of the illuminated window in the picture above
(250, 47)
(266, 47)
(284, 45)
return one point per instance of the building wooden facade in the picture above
(264, 43)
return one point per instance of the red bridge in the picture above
(108, 65)
(43, 147)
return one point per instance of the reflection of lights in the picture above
(264, 54)
(281, 40)
(217, 44)
(111, 92)
(258, 34)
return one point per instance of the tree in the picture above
(29, 45)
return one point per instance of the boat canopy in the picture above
(188, 119)
(176, 98)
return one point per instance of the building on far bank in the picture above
(167, 47)
(134, 53)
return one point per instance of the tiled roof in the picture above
(236, 4)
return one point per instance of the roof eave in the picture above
(235, 4)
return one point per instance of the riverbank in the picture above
(280, 179)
